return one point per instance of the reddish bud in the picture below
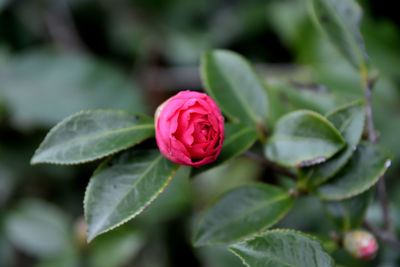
(361, 244)
(189, 129)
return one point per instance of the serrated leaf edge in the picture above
(282, 230)
(357, 192)
(90, 238)
(254, 117)
(311, 113)
(249, 236)
(361, 103)
(59, 124)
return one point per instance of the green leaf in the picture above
(283, 248)
(303, 138)
(38, 228)
(234, 85)
(175, 201)
(115, 248)
(313, 97)
(238, 138)
(7, 257)
(90, 135)
(349, 120)
(41, 87)
(349, 214)
(123, 186)
(368, 163)
(242, 213)
(340, 21)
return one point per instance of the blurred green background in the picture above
(58, 57)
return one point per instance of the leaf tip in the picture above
(197, 241)
(35, 160)
(90, 237)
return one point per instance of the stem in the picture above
(388, 235)
(269, 164)
(61, 27)
(372, 134)
(383, 199)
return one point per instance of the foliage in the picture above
(290, 141)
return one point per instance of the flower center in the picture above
(205, 129)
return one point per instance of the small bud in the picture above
(361, 244)
(80, 234)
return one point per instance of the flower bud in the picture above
(189, 129)
(361, 244)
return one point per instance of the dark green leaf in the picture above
(303, 138)
(234, 85)
(282, 248)
(90, 135)
(242, 213)
(38, 228)
(340, 21)
(238, 138)
(368, 163)
(349, 214)
(123, 186)
(173, 202)
(349, 120)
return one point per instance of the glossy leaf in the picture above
(349, 120)
(303, 138)
(349, 214)
(238, 138)
(241, 214)
(282, 248)
(90, 135)
(368, 163)
(340, 21)
(232, 83)
(123, 186)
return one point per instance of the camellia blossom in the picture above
(361, 244)
(189, 129)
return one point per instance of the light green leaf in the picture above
(368, 163)
(115, 248)
(303, 138)
(238, 138)
(234, 85)
(349, 120)
(283, 248)
(340, 21)
(38, 228)
(123, 186)
(3, 4)
(41, 87)
(241, 214)
(349, 214)
(90, 135)
(7, 257)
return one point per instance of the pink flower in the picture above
(360, 244)
(189, 129)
